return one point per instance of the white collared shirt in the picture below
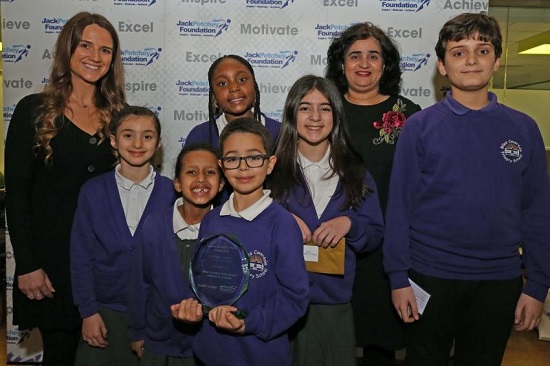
(221, 122)
(319, 181)
(181, 228)
(250, 213)
(134, 196)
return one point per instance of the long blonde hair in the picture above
(109, 94)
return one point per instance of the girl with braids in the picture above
(234, 93)
(322, 180)
(56, 141)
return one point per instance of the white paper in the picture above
(421, 296)
(311, 253)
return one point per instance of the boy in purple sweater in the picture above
(469, 188)
(277, 294)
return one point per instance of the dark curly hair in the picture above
(390, 83)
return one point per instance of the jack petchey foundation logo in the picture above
(199, 28)
(193, 88)
(414, 62)
(274, 60)
(8, 112)
(416, 6)
(53, 25)
(329, 30)
(404, 5)
(269, 4)
(15, 53)
(145, 3)
(155, 109)
(204, 2)
(141, 57)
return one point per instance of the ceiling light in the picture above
(538, 44)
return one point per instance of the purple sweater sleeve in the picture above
(535, 231)
(367, 224)
(404, 180)
(83, 241)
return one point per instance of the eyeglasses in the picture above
(252, 161)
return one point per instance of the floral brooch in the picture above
(391, 124)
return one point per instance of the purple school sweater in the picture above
(365, 235)
(468, 188)
(277, 294)
(102, 245)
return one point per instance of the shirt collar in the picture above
(221, 121)
(460, 109)
(324, 163)
(250, 213)
(127, 184)
(178, 222)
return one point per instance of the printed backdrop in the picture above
(168, 46)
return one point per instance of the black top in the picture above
(377, 150)
(376, 321)
(40, 204)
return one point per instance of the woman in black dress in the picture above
(56, 141)
(364, 63)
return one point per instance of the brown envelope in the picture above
(328, 261)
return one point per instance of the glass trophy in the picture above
(219, 271)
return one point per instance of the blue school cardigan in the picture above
(365, 235)
(157, 283)
(102, 245)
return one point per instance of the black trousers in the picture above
(59, 346)
(476, 315)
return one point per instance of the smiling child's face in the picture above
(200, 178)
(247, 181)
(233, 88)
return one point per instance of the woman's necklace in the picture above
(84, 116)
(82, 105)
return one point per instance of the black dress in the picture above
(40, 204)
(376, 321)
